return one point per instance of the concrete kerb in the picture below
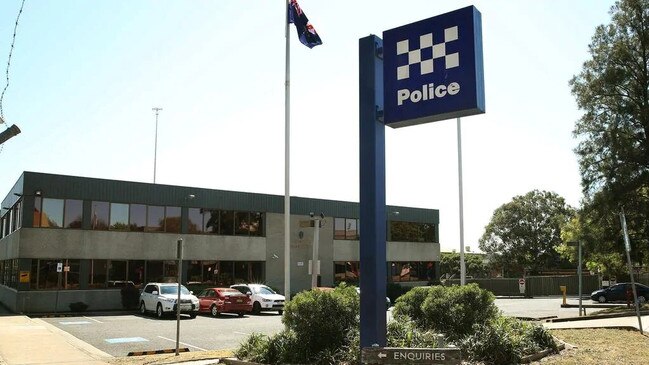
(597, 316)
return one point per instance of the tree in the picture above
(475, 264)
(613, 150)
(523, 233)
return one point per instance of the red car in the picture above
(224, 300)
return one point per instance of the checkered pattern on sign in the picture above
(439, 51)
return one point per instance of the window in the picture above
(136, 217)
(116, 270)
(256, 224)
(195, 220)
(242, 223)
(241, 272)
(155, 218)
(17, 214)
(73, 213)
(119, 217)
(98, 273)
(99, 217)
(52, 214)
(227, 222)
(136, 272)
(38, 207)
(412, 232)
(350, 229)
(411, 271)
(172, 220)
(211, 220)
(348, 271)
(346, 229)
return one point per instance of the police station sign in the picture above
(432, 69)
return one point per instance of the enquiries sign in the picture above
(432, 69)
(395, 355)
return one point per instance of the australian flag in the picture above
(305, 31)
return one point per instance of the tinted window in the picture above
(195, 220)
(73, 213)
(155, 220)
(137, 217)
(211, 219)
(119, 216)
(173, 289)
(99, 217)
(227, 222)
(256, 224)
(242, 223)
(149, 289)
(172, 220)
(339, 228)
(37, 213)
(52, 215)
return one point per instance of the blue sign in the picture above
(432, 69)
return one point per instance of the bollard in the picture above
(563, 290)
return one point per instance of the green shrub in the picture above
(410, 303)
(505, 340)
(254, 348)
(455, 310)
(130, 297)
(322, 318)
(78, 307)
(403, 332)
(394, 291)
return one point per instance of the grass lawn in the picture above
(601, 346)
(620, 310)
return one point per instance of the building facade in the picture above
(66, 239)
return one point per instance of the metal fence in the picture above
(535, 285)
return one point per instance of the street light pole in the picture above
(578, 244)
(155, 149)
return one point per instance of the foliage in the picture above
(475, 264)
(450, 310)
(78, 307)
(505, 340)
(613, 132)
(403, 332)
(394, 291)
(522, 234)
(317, 328)
(130, 297)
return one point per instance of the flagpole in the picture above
(287, 149)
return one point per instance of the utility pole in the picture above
(155, 150)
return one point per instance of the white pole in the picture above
(155, 149)
(287, 155)
(314, 264)
(459, 174)
(580, 270)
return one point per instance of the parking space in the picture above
(120, 334)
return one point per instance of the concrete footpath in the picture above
(594, 322)
(24, 340)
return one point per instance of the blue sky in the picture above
(85, 75)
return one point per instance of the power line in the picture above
(11, 51)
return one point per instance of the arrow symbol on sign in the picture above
(382, 355)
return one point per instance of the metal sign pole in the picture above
(627, 246)
(459, 175)
(580, 270)
(180, 263)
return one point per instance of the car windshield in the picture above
(173, 289)
(265, 290)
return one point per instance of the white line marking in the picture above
(183, 343)
(92, 319)
(240, 333)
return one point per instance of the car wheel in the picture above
(601, 299)
(142, 308)
(214, 311)
(641, 299)
(159, 312)
(256, 308)
(240, 314)
(192, 315)
(280, 312)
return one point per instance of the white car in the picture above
(161, 298)
(263, 298)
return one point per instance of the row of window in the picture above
(101, 274)
(349, 271)
(349, 229)
(11, 221)
(9, 273)
(68, 213)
